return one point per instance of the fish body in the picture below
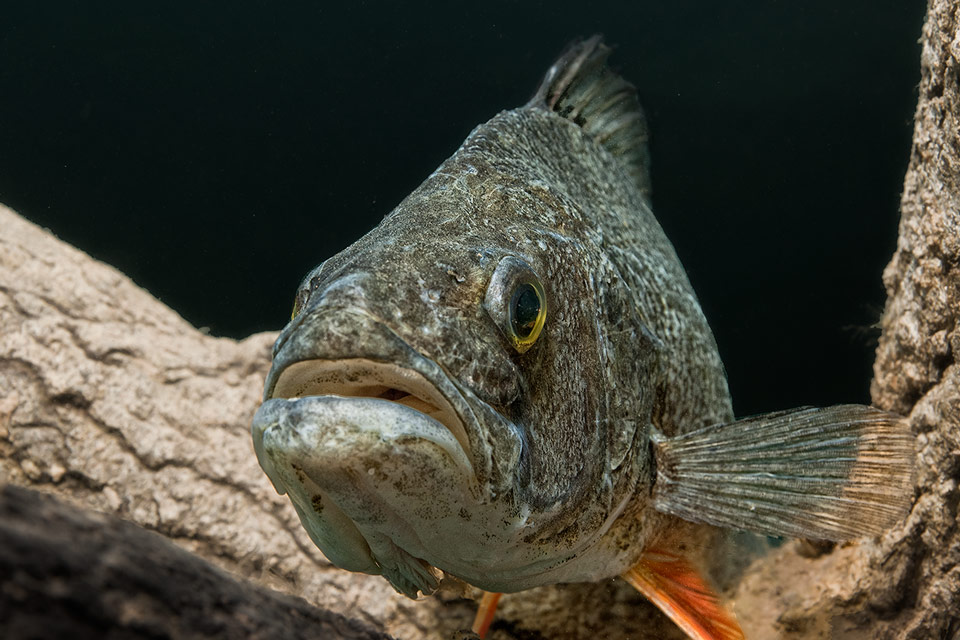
(510, 378)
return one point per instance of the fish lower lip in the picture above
(367, 379)
(347, 464)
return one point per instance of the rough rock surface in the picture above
(110, 400)
(906, 584)
(80, 574)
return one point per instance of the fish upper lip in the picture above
(388, 350)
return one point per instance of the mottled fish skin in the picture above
(414, 432)
(562, 437)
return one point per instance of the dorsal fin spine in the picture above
(581, 88)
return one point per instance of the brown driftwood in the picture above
(78, 574)
(110, 400)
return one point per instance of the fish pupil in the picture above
(526, 310)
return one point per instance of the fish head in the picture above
(458, 389)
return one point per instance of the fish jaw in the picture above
(335, 333)
(368, 478)
(384, 487)
(385, 484)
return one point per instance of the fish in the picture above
(509, 380)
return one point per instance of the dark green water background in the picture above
(216, 152)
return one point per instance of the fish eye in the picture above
(299, 301)
(516, 301)
(310, 283)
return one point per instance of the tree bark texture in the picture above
(907, 583)
(111, 401)
(80, 574)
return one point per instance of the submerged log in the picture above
(79, 574)
(112, 402)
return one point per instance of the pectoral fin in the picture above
(669, 581)
(832, 474)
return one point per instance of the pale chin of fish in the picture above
(376, 441)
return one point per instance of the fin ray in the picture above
(581, 88)
(677, 589)
(485, 613)
(833, 474)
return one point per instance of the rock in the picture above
(907, 583)
(75, 574)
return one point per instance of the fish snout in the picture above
(376, 484)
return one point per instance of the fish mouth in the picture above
(363, 448)
(369, 379)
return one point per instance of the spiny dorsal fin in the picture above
(581, 88)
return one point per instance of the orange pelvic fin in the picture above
(669, 581)
(485, 613)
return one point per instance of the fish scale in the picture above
(586, 429)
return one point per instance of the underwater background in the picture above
(215, 153)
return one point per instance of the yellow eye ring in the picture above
(528, 313)
(516, 302)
